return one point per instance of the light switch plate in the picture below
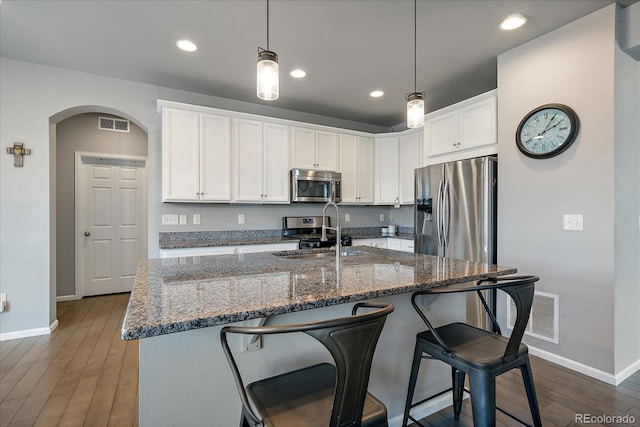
(183, 219)
(196, 219)
(347, 217)
(241, 219)
(381, 217)
(573, 222)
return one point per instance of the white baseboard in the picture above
(427, 408)
(66, 298)
(29, 332)
(586, 369)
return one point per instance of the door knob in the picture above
(86, 233)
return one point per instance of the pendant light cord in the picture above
(267, 24)
(415, 44)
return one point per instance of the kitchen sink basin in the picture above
(316, 254)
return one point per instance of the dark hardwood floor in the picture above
(84, 374)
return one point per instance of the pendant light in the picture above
(268, 83)
(415, 100)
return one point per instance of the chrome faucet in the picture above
(336, 228)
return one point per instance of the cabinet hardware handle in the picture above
(86, 233)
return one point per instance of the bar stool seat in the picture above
(480, 354)
(324, 394)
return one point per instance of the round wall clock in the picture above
(547, 131)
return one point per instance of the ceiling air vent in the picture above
(543, 322)
(113, 124)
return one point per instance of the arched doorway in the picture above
(83, 130)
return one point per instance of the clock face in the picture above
(547, 131)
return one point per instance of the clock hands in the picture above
(546, 129)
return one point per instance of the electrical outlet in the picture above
(241, 219)
(3, 302)
(381, 217)
(169, 219)
(196, 219)
(347, 217)
(572, 222)
(183, 219)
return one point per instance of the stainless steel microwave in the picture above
(308, 185)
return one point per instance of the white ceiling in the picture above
(347, 47)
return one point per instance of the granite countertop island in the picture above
(180, 294)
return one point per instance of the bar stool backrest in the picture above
(351, 341)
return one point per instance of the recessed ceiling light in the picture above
(513, 21)
(297, 73)
(187, 45)
(376, 94)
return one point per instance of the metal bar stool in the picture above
(481, 354)
(323, 394)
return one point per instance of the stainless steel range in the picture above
(308, 229)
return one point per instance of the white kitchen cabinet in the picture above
(314, 149)
(227, 250)
(374, 243)
(407, 246)
(410, 155)
(395, 244)
(356, 167)
(462, 127)
(261, 153)
(387, 173)
(196, 156)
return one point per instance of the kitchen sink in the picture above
(316, 254)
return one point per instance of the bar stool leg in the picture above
(527, 377)
(483, 398)
(415, 366)
(457, 380)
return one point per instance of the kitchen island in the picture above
(178, 304)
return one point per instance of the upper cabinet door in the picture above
(386, 153)
(180, 155)
(478, 124)
(365, 170)
(410, 153)
(275, 174)
(327, 150)
(215, 158)
(349, 168)
(303, 148)
(248, 160)
(442, 133)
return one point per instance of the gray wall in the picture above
(574, 65)
(81, 133)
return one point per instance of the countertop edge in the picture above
(129, 334)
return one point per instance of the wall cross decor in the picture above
(18, 152)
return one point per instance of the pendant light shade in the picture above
(415, 110)
(415, 100)
(268, 71)
(268, 75)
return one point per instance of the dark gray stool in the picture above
(481, 354)
(323, 394)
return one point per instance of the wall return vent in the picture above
(113, 124)
(543, 322)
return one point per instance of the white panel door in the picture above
(110, 223)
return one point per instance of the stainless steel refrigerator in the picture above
(456, 213)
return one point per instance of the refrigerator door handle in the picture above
(439, 213)
(446, 213)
